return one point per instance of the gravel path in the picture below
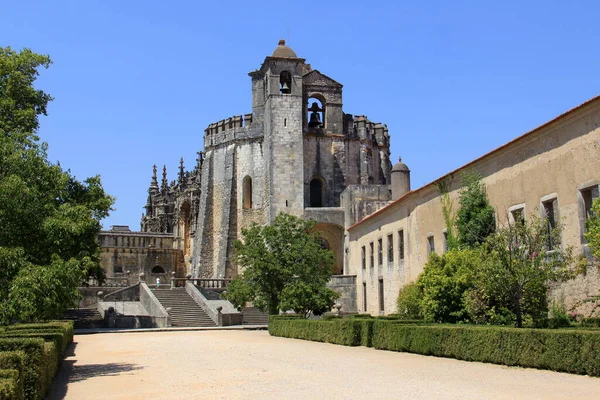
(254, 365)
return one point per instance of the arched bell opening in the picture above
(285, 82)
(316, 112)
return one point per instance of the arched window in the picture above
(158, 270)
(316, 193)
(316, 111)
(285, 82)
(247, 193)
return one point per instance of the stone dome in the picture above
(400, 166)
(283, 51)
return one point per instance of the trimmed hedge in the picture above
(574, 351)
(64, 326)
(591, 322)
(34, 371)
(14, 360)
(9, 387)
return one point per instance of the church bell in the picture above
(315, 120)
(285, 88)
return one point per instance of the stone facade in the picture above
(125, 254)
(295, 153)
(556, 165)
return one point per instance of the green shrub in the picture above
(590, 322)
(56, 337)
(566, 350)
(65, 326)
(559, 350)
(34, 371)
(363, 316)
(409, 301)
(346, 331)
(14, 360)
(52, 361)
(9, 387)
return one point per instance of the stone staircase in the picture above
(184, 310)
(85, 318)
(253, 316)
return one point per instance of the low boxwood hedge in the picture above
(34, 371)
(9, 385)
(14, 360)
(567, 350)
(64, 326)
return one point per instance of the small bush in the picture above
(65, 326)
(9, 388)
(409, 301)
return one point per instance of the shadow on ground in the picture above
(69, 372)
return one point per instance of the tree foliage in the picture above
(49, 219)
(517, 269)
(448, 212)
(283, 267)
(444, 281)
(475, 218)
(409, 301)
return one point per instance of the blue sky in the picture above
(137, 82)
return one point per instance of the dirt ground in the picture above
(254, 365)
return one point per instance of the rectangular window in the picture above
(364, 297)
(117, 269)
(518, 215)
(401, 244)
(550, 209)
(379, 251)
(430, 245)
(381, 299)
(589, 195)
(364, 257)
(371, 264)
(390, 244)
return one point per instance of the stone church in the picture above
(296, 152)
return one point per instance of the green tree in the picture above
(517, 269)
(593, 230)
(443, 283)
(475, 218)
(283, 266)
(49, 219)
(20, 102)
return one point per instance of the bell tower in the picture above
(277, 104)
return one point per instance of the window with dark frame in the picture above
(430, 245)
(381, 299)
(390, 244)
(379, 251)
(364, 257)
(401, 244)
(372, 256)
(365, 296)
(550, 209)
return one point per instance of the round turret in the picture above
(400, 179)
(283, 51)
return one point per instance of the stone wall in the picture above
(555, 161)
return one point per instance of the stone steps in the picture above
(85, 318)
(253, 316)
(184, 310)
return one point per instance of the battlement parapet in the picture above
(369, 130)
(227, 130)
